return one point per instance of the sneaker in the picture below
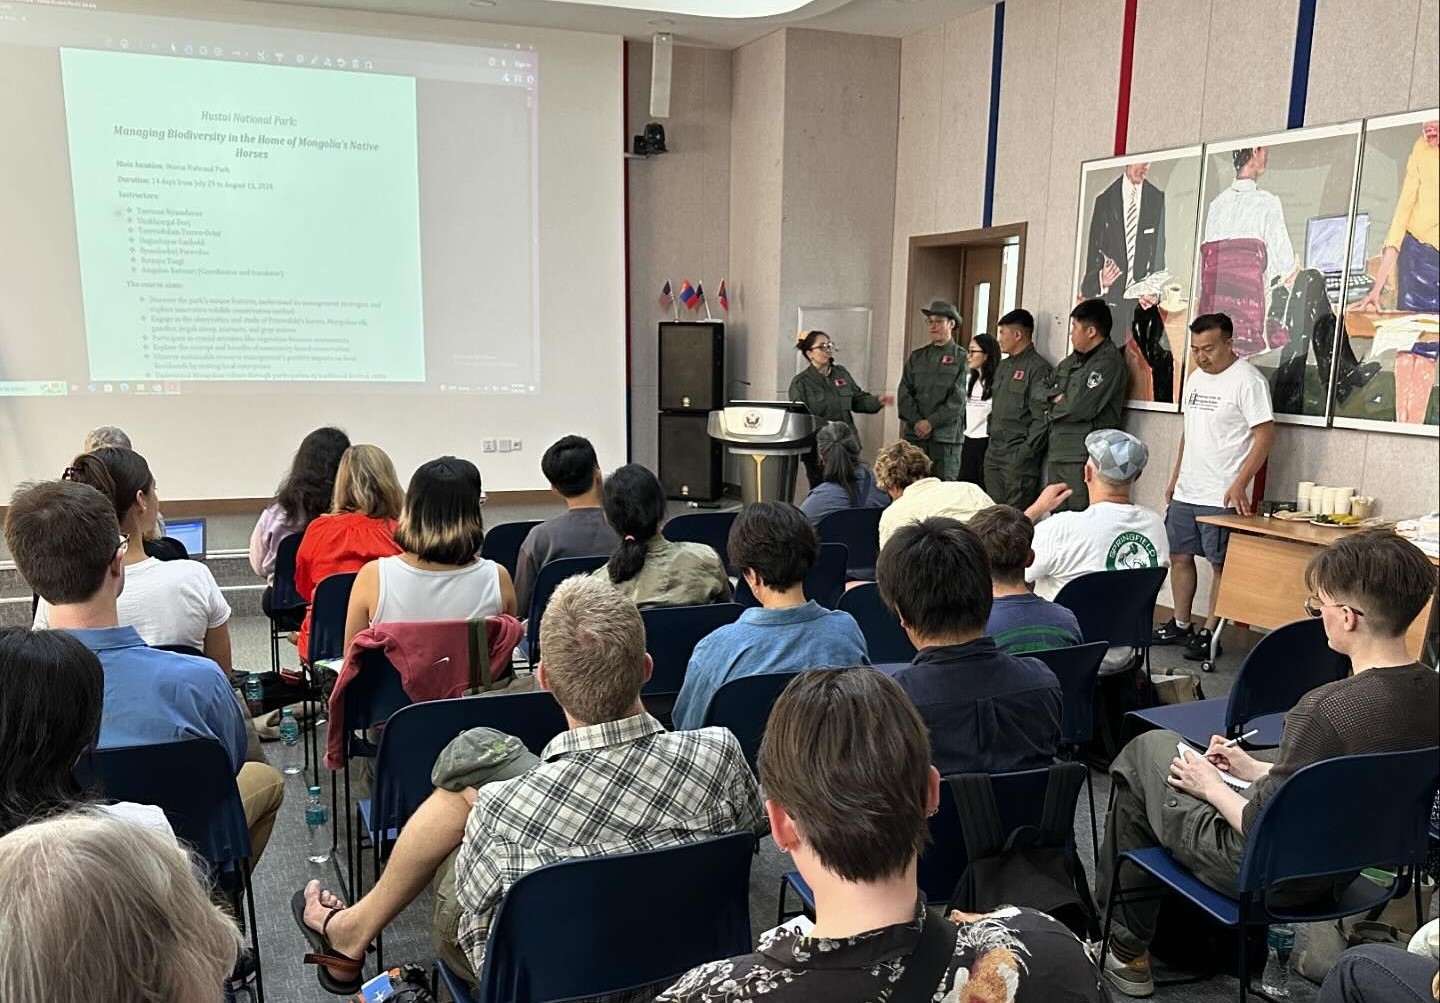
(1171, 632)
(1198, 647)
(1130, 977)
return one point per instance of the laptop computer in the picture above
(1326, 238)
(190, 533)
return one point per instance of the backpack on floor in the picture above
(1034, 866)
(1117, 694)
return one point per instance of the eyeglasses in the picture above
(1314, 607)
(975, 351)
(829, 346)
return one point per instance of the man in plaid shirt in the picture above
(616, 782)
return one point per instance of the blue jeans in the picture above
(1376, 973)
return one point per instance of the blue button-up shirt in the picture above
(762, 641)
(154, 696)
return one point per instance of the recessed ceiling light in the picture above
(661, 22)
(481, 3)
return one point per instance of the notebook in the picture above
(1234, 782)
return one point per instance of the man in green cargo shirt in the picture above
(1085, 392)
(932, 393)
(1018, 428)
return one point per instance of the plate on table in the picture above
(1326, 524)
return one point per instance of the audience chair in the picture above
(502, 543)
(193, 783)
(671, 633)
(549, 578)
(825, 583)
(413, 738)
(1117, 607)
(1078, 669)
(557, 934)
(1020, 802)
(743, 706)
(327, 640)
(885, 639)
(710, 528)
(1284, 665)
(859, 530)
(1386, 800)
(287, 609)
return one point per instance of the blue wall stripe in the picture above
(997, 48)
(1300, 70)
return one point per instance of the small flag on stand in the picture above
(723, 297)
(667, 298)
(700, 298)
(687, 294)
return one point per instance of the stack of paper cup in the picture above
(1342, 500)
(1318, 494)
(1302, 495)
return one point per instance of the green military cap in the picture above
(939, 308)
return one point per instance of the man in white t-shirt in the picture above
(1112, 534)
(1229, 429)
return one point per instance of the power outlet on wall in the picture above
(487, 445)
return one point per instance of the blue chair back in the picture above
(283, 596)
(1115, 606)
(671, 633)
(1284, 665)
(710, 528)
(1078, 669)
(885, 639)
(502, 543)
(1342, 815)
(371, 697)
(192, 782)
(825, 583)
(327, 617)
(417, 733)
(743, 705)
(558, 936)
(859, 530)
(550, 576)
(1020, 800)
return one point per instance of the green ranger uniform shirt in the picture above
(932, 388)
(832, 396)
(1018, 404)
(1092, 388)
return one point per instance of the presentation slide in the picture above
(214, 225)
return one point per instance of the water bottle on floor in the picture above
(291, 755)
(318, 822)
(1279, 943)
(254, 694)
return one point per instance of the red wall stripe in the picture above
(1127, 66)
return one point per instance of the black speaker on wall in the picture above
(692, 365)
(690, 461)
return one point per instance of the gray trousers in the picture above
(1376, 973)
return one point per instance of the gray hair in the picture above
(96, 908)
(106, 435)
(592, 644)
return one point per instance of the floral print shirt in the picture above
(1008, 956)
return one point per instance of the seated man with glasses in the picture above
(1368, 588)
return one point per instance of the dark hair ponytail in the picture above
(634, 507)
(117, 473)
(839, 450)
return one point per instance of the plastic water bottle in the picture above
(291, 761)
(254, 694)
(318, 822)
(1279, 941)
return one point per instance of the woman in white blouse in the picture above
(983, 356)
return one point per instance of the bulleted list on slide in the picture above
(244, 223)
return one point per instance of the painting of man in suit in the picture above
(1127, 242)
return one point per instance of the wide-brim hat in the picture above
(939, 308)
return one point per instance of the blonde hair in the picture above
(128, 898)
(105, 435)
(366, 483)
(593, 645)
(901, 464)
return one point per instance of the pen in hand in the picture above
(1231, 743)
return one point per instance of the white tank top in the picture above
(411, 594)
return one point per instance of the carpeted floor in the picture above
(285, 868)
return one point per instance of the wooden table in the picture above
(1264, 580)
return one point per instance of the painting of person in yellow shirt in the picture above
(1412, 247)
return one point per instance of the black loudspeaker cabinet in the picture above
(691, 463)
(692, 365)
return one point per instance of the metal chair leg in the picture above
(1094, 827)
(254, 932)
(1109, 913)
(376, 839)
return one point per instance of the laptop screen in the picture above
(1325, 239)
(190, 532)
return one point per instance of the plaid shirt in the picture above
(619, 787)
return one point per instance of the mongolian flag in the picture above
(688, 295)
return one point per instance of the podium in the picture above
(770, 438)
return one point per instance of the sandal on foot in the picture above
(323, 955)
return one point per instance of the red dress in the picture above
(335, 545)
